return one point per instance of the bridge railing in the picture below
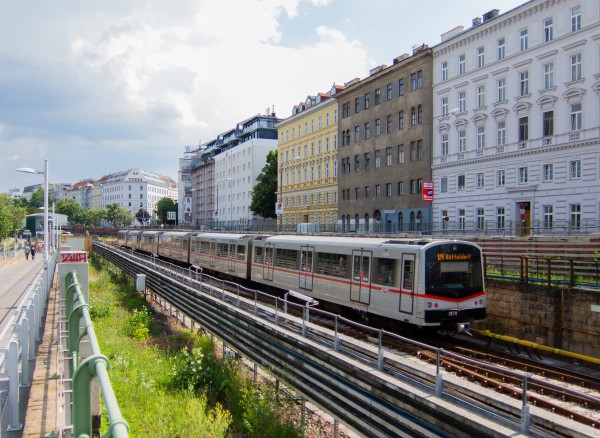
(82, 369)
(18, 341)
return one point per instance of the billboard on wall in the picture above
(428, 191)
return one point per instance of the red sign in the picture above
(428, 191)
(73, 257)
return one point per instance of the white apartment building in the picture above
(516, 121)
(136, 188)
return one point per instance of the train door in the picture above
(306, 267)
(231, 256)
(212, 253)
(360, 287)
(269, 259)
(407, 283)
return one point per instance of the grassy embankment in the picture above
(169, 381)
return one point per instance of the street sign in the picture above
(170, 215)
(278, 208)
(428, 191)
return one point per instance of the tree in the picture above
(264, 195)
(94, 216)
(118, 216)
(163, 206)
(36, 201)
(142, 216)
(11, 217)
(72, 209)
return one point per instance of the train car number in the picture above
(452, 313)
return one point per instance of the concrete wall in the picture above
(567, 319)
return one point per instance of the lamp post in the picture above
(45, 173)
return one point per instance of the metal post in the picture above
(439, 381)
(381, 358)
(525, 417)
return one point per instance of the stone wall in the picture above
(558, 318)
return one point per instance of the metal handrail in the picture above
(82, 371)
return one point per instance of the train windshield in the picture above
(453, 270)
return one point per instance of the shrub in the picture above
(100, 310)
(137, 325)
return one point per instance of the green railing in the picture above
(83, 370)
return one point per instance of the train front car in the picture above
(175, 246)
(454, 292)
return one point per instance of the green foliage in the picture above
(11, 216)
(36, 201)
(100, 309)
(141, 215)
(118, 216)
(72, 209)
(264, 194)
(138, 324)
(94, 216)
(163, 206)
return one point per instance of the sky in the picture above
(100, 86)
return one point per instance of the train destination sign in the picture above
(444, 257)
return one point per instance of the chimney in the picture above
(476, 21)
(491, 14)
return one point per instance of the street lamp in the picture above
(45, 173)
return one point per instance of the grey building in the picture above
(385, 147)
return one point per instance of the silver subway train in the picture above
(422, 282)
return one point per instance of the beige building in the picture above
(307, 164)
(385, 147)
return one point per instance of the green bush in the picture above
(137, 325)
(100, 309)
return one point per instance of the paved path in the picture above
(38, 403)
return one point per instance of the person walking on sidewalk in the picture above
(32, 252)
(27, 250)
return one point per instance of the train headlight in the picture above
(429, 304)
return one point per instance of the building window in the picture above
(461, 65)
(481, 96)
(480, 180)
(444, 71)
(462, 101)
(548, 172)
(501, 90)
(548, 29)
(444, 144)
(367, 130)
(367, 190)
(576, 117)
(377, 191)
(462, 140)
(413, 116)
(377, 96)
(444, 106)
(524, 128)
(413, 151)
(480, 56)
(460, 182)
(548, 75)
(388, 190)
(388, 156)
(501, 48)
(500, 178)
(420, 114)
(481, 218)
(501, 133)
(480, 137)
(368, 161)
(357, 105)
(524, 83)
(420, 150)
(523, 175)
(548, 124)
(575, 169)
(548, 217)
(400, 119)
(367, 100)
(523, 39)
(414, 186)
(377, 159)
(420, 79)
(388, 92)
(401, 154)
(400, 188)
(575, 216)
(356, 134)
(576, 67)
(444, 184)
(388, 123)
(500, 218)
(461, 218)
(378, 127)
(357, 163)
(576, 19)
(401, 87)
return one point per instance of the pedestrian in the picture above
(27, 250)
(32, 252)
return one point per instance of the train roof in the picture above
(229, 236)
(355, 241)
(176, 233)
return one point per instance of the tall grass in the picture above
(170, 382)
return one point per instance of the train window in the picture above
(258, 255)
(221, 249)
(241, 252)
(286, 258)
(409, 274)
(385, 271)
(362, 268)
(323, 263)
(205, 247)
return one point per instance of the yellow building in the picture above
(307, 164)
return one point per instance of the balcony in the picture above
(522, 145)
